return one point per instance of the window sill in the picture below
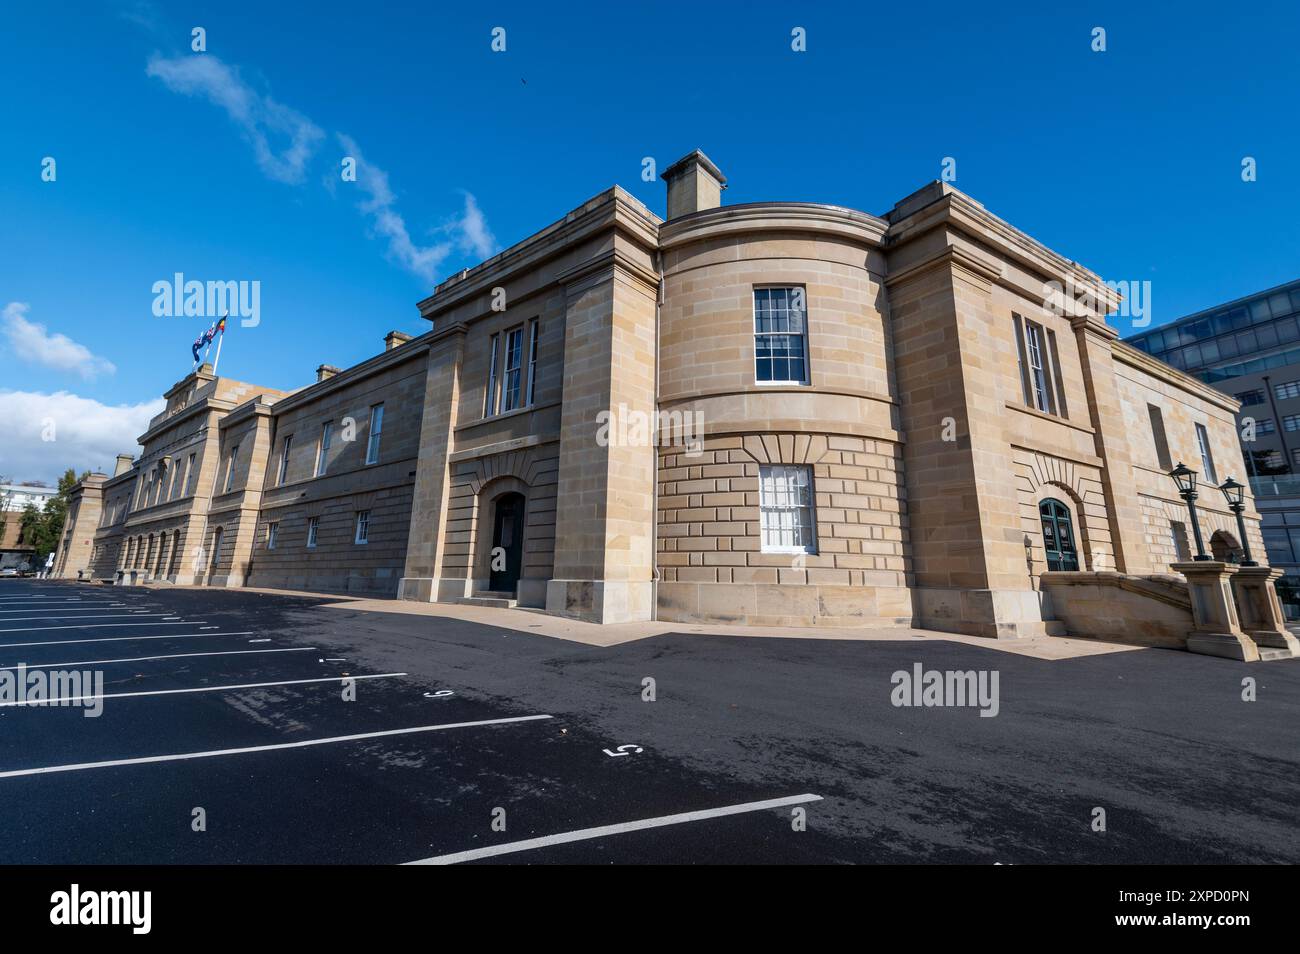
(1043, 415)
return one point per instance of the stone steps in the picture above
(489, 598)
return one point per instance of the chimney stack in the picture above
(395, 339)
(694, 183)
(123, 464)
(325, 372)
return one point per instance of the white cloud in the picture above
(469, 233)
(260, 118)
(31, 341)
(86, 435)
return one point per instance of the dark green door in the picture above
(507, 543)
(1058, 535)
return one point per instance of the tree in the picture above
(42, 529)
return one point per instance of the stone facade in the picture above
(606, 421)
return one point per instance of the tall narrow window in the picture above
(363, 527)
(532, 362)
(1178, 533)
(191, 475)
(272, 531)
(490, 399)
(514, 369)
(376, 431)
(230, 469)
(1040, 389)
(323, 450)
(780, 330)
(313, 525)
(1158, 435)
(1207, 459)
(284, 459)
(786, 507)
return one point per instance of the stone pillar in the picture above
(426, 543)
(1260, 609)
(1216, 630)
(604, 519)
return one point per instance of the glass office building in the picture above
(1250, 348)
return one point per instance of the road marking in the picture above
(119, 639)
(79, 766)
(61, 609)
(31, 629)
(175, 692)
(586, 834)
(24, 619)
(102, 662)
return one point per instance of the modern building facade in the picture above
(1250, 348)
(774, 413)
(14, 499)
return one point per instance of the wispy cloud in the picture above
(282, 138)
(469, 233)
(32, 342)
(44, 434)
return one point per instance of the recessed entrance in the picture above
(506, 557)
(1058, 535)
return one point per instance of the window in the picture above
(1178, 532)
(1035, 376)
(376, 431)
(230, 469)
(514, 369)
(786, 507)
(1253, 396)
(490, 399)
(779, 336)
(1265, 425)
(1207, 459)
(1158, 435)
(532, 362)
(322, 452)
(1290, 389)
(191, 475)
(284, 459)
(313, 524)
(272, 531)
(363, 527)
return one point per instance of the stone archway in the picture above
(1225, 547)
(501, 521)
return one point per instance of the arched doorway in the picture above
(216, 553)
(1058, 535)
(506, 558)
(1225, 547)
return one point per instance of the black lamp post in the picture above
(1185, 479)
(1234, 493)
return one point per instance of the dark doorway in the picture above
(1225, 548)
(1058, 535)
(507, 554)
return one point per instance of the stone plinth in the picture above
(1216, 629)
(1260, 609)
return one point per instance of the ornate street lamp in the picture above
(1234, 493)
(1185, 479)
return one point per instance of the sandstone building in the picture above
(778, 412)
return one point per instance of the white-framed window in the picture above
(1207, 459)
(780, 335)
(323, 449)
(376, 431)
(533, 333)
(272, 531)
(230, 469)
(1040, 367)
(284, 459)
(785, 496)
(490, 399)
(514, 370)
(363, 527)
(313, 526)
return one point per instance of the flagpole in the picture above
(217, 360)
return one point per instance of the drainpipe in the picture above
(654, 525)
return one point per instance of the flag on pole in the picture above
(217, 328)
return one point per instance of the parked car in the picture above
(9, 571)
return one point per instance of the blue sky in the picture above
(228, 169)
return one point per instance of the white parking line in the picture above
(104, 662)
(32, 629)
(105, 616)
(79, 766)
(175, 692)
(83, 608)
(118, 639)
(585, 834)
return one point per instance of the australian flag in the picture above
(219, 328)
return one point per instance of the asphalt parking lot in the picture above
(234, 703)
